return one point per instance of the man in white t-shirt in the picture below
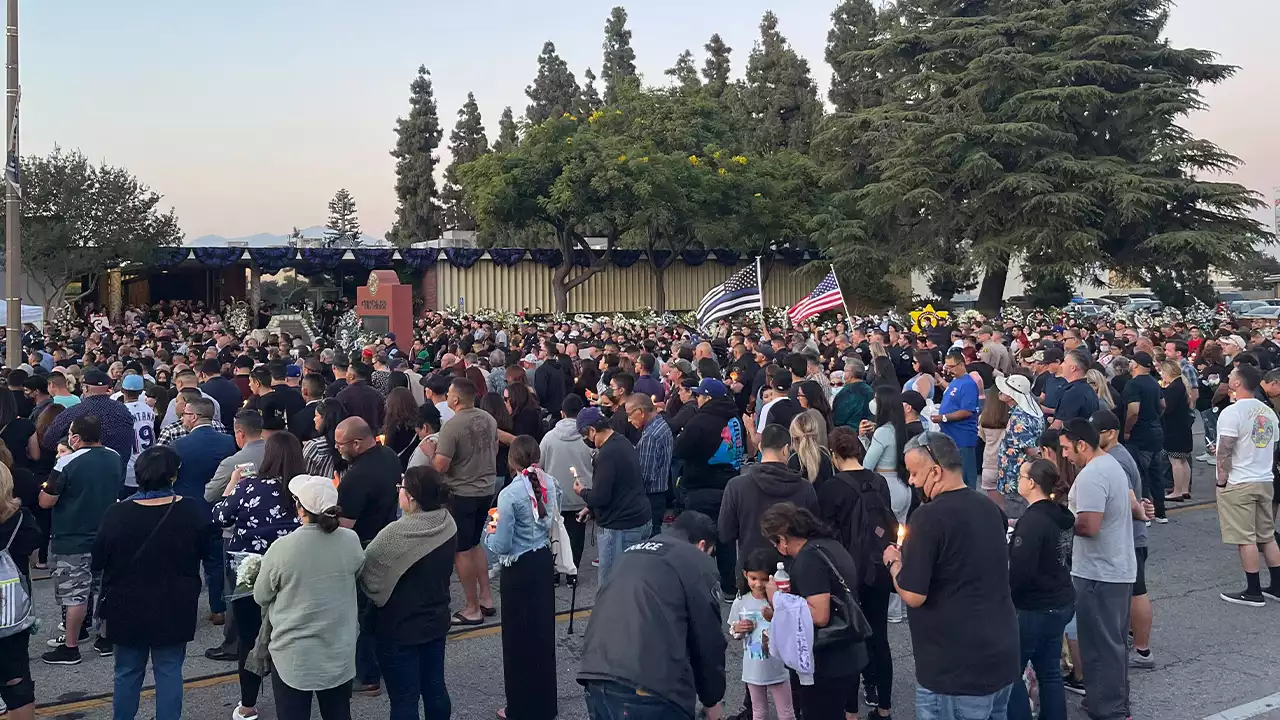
(144, 425)
(1246, 451)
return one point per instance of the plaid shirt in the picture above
(654, 450)
(1189, 374)
(174, 430)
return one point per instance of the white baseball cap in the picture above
(314, 492)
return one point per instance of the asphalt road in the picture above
(1210, 656)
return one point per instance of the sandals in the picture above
(460, 619)
(488, 611)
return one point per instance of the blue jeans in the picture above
(1151, 465)
(932, 706)
(215, 572)
(969, 460)
(1210, 418)
(611, 543)
(614, 701)
(1040, 637)
(367, 672)
(414, 672)
(131, 667)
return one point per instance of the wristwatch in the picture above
(942, 418)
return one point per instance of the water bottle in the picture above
(782, 579)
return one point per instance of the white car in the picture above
(1263, 312)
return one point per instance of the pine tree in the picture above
(467, 142)
(619, 68)
(856, 83)
(716, 69)
(590, 98)
(685, 73)
(779, 94)
(508, 133)
(555, 91)
(343, 228)
(417, 137)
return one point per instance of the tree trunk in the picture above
(991, 295)
(559, 286)
(659, 289)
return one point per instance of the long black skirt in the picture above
(528, 637)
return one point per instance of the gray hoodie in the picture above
(563, 448)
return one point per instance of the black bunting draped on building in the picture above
(273, 259)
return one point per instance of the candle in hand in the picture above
(902, 532)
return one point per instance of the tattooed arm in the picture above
(1226, 448)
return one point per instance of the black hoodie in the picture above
(757, 489)
(548, 383)
(698, 442)
(1040, 557)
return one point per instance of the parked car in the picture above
(1230, 296)
(1087, 309)
(1240, 307)
(1136, 304)
(1263, 312)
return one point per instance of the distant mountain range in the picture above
(269, 240)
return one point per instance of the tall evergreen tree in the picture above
(685, 73)
(508, 133)
(856, 82)
(716, 69)
(343, 228)
(779, 93)
(555, 91)
(590, 97)
(619, 68)
(417, 137)
(467, 142)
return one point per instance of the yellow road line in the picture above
(226, 678)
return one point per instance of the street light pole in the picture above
(12, 204)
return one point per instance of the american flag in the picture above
(824, 297)
(740, 292)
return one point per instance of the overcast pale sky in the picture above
(248, 115)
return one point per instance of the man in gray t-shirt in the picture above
(1103, 567)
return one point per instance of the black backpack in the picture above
(872, 526)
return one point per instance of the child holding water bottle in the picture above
(762, 671)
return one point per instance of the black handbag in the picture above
(847, 624)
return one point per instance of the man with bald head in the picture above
(368, 495)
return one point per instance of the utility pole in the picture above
(12, 204)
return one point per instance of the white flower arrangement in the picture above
(247, 568)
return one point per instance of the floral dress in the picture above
(256, 511)
(1023, 432)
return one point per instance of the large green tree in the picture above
(1046, 132)
(717, 67)
(80, 220)
(779, 93)
(467, 142)
(417, 137)
(856, 82)
(590, 101)
(685, 73)
(619, 68)
(554, 91)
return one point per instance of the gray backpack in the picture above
(16, 614)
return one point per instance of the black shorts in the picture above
(1140, 582)
(14, 661)
(470, 514)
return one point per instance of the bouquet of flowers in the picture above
(247, 565)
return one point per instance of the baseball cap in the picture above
(390, 336)
(97, 378)
(914, 399)
(711, 387)
(132, 383)
(315, 493)
(293, 371)
(1144, 359)
(1104, 420)
(1053, 355)
(782, 383)
(590, 417)
(684, 366)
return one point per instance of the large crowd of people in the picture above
(792, 490)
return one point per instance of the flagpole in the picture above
(848, 316)
(12, 203)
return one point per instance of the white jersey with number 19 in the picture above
(144, 435)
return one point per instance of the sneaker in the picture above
(869, 695)
(104, 647)
(62, 655)
(1271, 593)
(1244, 598)
(1162, 521)
(1204, 457)
(239, 714)
(1072, 685)
(595, 563)
(895, 619)
(62, 639)
(1138, 660)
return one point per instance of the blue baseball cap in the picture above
(590, 417)
(293, 371)
(132, 383)
(711, 387)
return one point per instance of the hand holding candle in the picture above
(902, 533)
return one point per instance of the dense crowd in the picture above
(820, 483)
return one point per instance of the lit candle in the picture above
(382, 439)
(573, 471)
(902, 532)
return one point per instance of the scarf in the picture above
(400, 545)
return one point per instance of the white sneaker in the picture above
(1161, 521)
(237, 714)
(1204, 457)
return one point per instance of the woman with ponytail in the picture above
(1040, 582)
(307, 589)
(520, 539)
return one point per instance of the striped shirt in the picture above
(654, 450)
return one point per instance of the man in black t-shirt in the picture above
(958, 599)
(1144, 436)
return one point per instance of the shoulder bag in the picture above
(847, 624)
